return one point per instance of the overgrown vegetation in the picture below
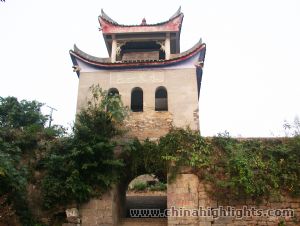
(140, 186)
(236, 168)
(143, 158)
(22, 133)
(83, 165)
(73, 168)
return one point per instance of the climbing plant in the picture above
(236, 168)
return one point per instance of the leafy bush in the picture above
(84, 165)
(180, 148)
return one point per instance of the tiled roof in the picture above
(106, 63)
(88, 57)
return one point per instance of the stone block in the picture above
(205, 224)
(73, 215)
(74, 220)
(89, 220)
(295, 205)
(224, 220)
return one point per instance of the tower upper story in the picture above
(143, 41)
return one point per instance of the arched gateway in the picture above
(160, 84)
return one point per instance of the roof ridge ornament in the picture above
(178, 12)
(162, 45)
(144, 22)
(106, 17)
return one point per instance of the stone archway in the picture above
(112, 208)
(148, 193)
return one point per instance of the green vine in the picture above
(237, 169)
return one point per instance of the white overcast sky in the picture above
(251, 75)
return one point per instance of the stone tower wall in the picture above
(181, 86)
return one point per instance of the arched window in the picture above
(137, 99)
(161, 99)
(113, 91)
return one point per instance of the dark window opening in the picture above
(161, 99)
(113, 92)
(147, 50)
(137, 99)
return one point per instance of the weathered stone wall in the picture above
(187, 192)
(183, 193)
(148, 124)
(144, 222)
(97, 212)
(181, 86)
(104, 211)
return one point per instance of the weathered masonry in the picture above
(159, 84)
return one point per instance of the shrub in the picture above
(140, 186)
(159, 186)
(84, 165)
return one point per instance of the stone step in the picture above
(144, 222)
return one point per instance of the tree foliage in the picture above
(84, 165)
(15, 114)
(22, 132)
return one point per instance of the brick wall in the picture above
(148, 124)
(103, 211)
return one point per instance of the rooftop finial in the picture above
(144, 22)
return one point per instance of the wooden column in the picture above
(113, 49)
(168, 46)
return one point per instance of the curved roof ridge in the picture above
(105, 17)
(178, 12)
(77, 53)
(196, 46)
(90, 57)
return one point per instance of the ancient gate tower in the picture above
(159, 84)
